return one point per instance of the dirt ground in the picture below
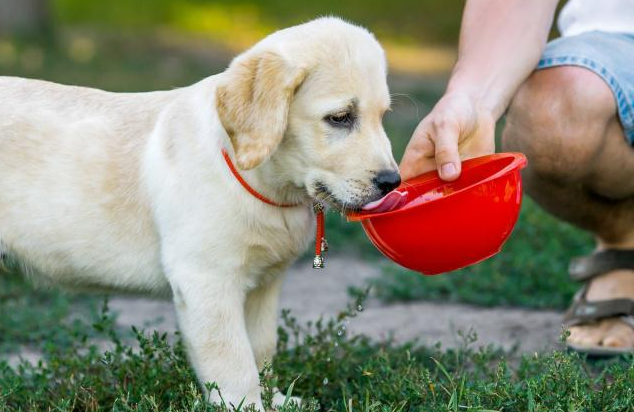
(313, 293)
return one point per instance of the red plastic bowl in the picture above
(444, 226)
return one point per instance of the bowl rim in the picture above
(519, 162)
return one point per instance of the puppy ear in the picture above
(253, 101)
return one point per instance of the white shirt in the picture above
(580, 16)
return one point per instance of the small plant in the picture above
(319, 362)
(30, 316)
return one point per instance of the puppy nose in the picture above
(386, 181)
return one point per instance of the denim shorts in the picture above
(609, 55)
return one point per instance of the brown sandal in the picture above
(583, 312)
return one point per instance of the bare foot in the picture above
(608, 332)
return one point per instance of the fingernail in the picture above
(448, 169)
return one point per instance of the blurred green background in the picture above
(419, 36)
(127, 45)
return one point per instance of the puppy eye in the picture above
(343, 119)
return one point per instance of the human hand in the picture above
(457, 128)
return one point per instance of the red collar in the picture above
(321, 246)
(249, 189)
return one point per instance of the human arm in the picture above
(500, 44)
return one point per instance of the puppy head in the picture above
(313, 96)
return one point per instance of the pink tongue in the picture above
(388, 202)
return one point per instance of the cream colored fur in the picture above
(129, 192)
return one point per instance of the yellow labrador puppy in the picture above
(131, 192)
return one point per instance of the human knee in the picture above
(558, 119)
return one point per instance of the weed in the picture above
(319, 362)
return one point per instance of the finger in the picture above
(446, 152)
(480, 143)
(415, 163)
(419, 154)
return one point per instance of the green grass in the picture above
(30, 317)
(321, 364)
